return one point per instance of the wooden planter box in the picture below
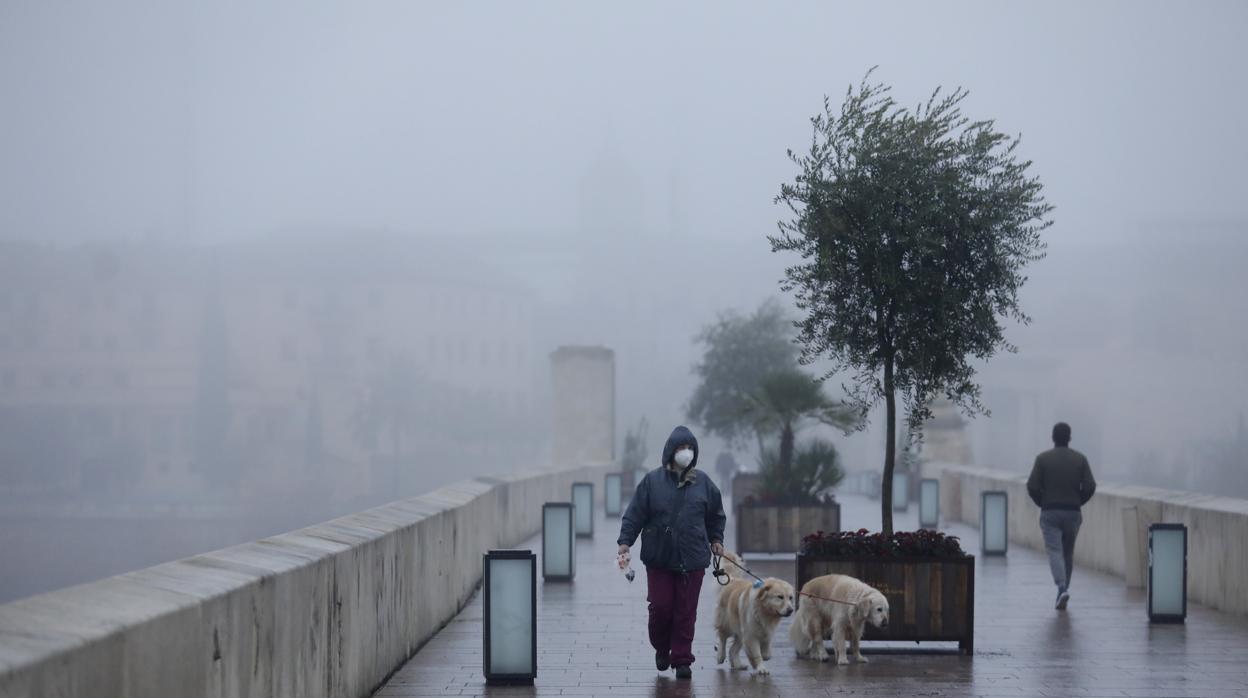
(929, 600)
(770, 528)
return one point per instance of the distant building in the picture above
(1139, 346)
(119, 363)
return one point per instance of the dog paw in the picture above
(762, 670)
(766, 656)
(859, 658)
(821, 657)
(738, 667)
(842, 660)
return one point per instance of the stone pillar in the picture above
(944, 436)
(583, 393)
(945, 443)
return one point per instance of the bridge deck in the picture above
(592, 640)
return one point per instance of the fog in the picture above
(257, 221)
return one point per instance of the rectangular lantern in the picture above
(558, 542)
(613, 490)
(901, 490)
(929, 503)
(583, 503)
(510, 621)
(994, 522)
(1167, 573)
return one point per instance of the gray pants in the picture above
(1060, 528)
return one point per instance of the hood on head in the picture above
(680, 435)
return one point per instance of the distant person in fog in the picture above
(1061, 483)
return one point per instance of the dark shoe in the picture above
(662, 661)
(684, 672)
(1063, 597)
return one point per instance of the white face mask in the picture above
(684, 457)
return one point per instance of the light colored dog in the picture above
(817, 617)
(748, 616)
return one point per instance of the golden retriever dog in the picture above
(818, 617)
(748, 615)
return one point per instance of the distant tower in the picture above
(611, 197)
(675, 211)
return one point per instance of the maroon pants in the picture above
(673, 598)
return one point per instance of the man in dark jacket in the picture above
(679, 514)
(1060, 484)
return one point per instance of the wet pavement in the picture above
(592, 640)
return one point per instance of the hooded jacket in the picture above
(678, 514)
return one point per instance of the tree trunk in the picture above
(890, 450)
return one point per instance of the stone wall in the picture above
(329, 610)
(1114, 539)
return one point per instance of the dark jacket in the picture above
(1061, 479)
(677, 514)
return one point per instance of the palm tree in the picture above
(787, 400)
(816, 469)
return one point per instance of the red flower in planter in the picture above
(862, 543)
(776, 500)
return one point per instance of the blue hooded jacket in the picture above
(677, 514)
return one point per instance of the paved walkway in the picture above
(592, 640)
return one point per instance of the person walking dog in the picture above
(679, 514)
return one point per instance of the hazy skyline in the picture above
(620, 162)
(612, 169)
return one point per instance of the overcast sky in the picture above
(545, 123)
(216, 120)
(623, 158)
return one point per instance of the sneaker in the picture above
(1063, 597)
(684, 672)
(661, 660)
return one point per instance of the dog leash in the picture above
(719, 572)
(824, 598)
